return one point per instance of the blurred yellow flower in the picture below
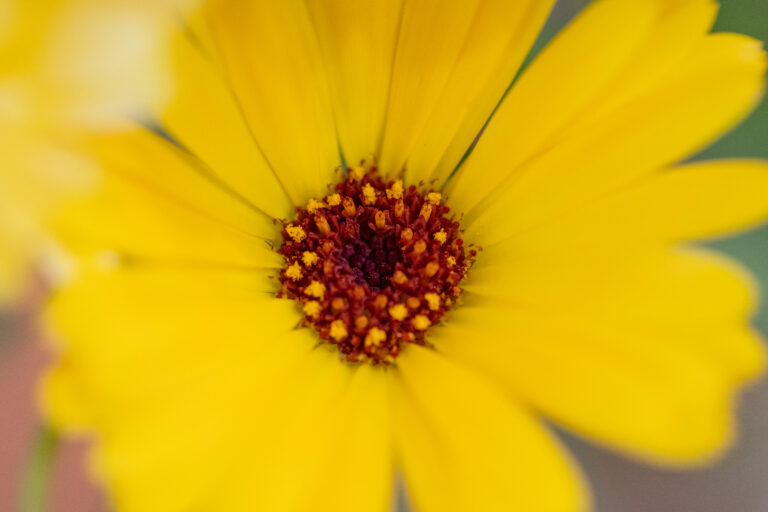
(587, 304)
(66, 64)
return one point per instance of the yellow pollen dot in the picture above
(375, 337)
(419, 247)
(315, 289)
(313, 205)
(450, 260)
(357, 173)
(309, 258)
(433, 301)
(312, 308)
(333, 200)
(399, 277)
(441, 236)
(338, 330)
(421, 322)
(369, 194)
(426, 211)
(296, 233)
(396, 192)
(294, 272)
(398, 312)
(434, 197)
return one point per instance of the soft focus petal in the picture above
(273, 60)
(463, 446)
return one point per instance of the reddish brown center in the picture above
(374, 265)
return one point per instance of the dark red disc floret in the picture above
(374, 265)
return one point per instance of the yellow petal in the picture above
(130, 220)
(205, 118)
(197, 367)
(158, 165)
(538, 104)
(668, 288)
(712, 89)
(452, 64)
(358, 43)
(274, 64)
(463, 446)
(701, 200)
(359, 473)
(635, 392)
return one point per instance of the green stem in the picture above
(34, 486)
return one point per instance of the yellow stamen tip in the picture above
(338, 330)
(421, 322)
(398, 312)
(433, 301)
(313, 205)
(369, 194)
(309, 258)
(296, 233)
(450, 260)
(426, 211)
(315, 289)
(375, 337)
(357, 173)
(333, 200)
(441, 236)
(294, 272)
(434, 197)
(312, 308)
(396, 192)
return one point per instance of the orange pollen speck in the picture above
(373, 265)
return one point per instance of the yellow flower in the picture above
(65, 64)
(575, 292)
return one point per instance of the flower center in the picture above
(374, 265)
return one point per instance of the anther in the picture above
(315, 289)
(322, 225)
(375, 337)
(338, 304)
(426, 211)
(413, 303)
(380, 220)
(407, 234)
(296, 233)
(312, 308)
(421, 322)
(399, 277)
(349, 207)
(338, 330)
(399, 209)
(294, 272)
(431, 268)
(333, 200)
(369, 194)
(361, 322)
(309, 258)
(419, 247)
(398, 312)
(433, 301)
(313, 205)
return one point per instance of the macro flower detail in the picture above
(250, 328)
(374, 264)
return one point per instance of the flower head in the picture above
(285, 336)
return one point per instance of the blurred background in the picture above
(738, 483)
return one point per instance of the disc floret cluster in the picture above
(373, 265)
